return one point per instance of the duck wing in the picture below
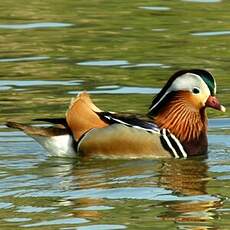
(129, 120)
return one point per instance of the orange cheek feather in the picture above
(182, 116)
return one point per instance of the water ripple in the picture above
(143, 65)
(15, 220)
(203, 1)
(22, 59)
(102, 227)
(120, 63)
(212, 33)
(72, 220)
(9, 84)
(104, 63)
(5, 205)
(136, 193)
(222, 140)
(221, 123)
(121, 90)
(95, 208)
(35, 25)
(30, 209)
(156, 8)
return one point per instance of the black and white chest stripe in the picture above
(172, 144)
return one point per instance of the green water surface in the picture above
(122, 52)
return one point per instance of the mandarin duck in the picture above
(175, 126)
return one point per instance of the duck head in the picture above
(180, 107)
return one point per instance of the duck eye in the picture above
(196, 90)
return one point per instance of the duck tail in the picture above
(28, 129)
(16, 125)
(38, 131)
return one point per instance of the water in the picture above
(122, 53)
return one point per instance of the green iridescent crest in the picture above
(208, 79)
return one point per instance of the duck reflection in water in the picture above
(188, 179)
(185, 177)
(182, 196)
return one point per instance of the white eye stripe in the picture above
(186, 82)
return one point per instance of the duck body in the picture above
(176, 125)
(127, 142)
